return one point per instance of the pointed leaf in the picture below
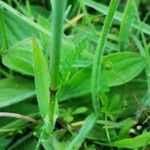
(42, 79)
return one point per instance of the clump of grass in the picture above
(89, 65)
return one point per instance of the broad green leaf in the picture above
(120, 68)
(19, 57)
(117, 69)
(133, 143)
(87, 126)
(14, 90)
(42, 79)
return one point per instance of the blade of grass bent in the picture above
(99, 54)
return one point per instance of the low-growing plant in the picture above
(74, 75)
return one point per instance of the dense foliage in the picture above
(74, 74)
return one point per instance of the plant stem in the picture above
(99, 54)
(18, 116)
(58, 7)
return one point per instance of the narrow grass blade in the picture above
(117, 16)
(87, 126)
(42, 80)
(128, 17)
(99, 55)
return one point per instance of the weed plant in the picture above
(74, 74)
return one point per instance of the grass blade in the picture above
(99, 54)
(77, 141)
(128, 17)
(42, 80)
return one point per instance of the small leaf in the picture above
(42, 79)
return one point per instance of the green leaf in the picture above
(117, 69)
(42, 80)
(120, 68)
(133, 143)
(128, 17)
(19, 57)
(87, 126)
(14, 90)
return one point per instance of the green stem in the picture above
(99, 54)
(58, 8)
